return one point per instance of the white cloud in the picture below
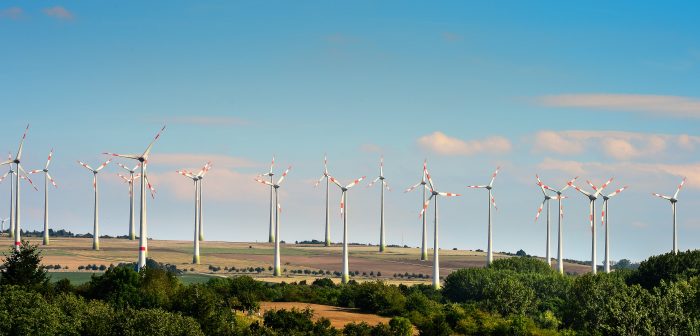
(443, 144)
(657, 105)
(618, 145)
(59, 13)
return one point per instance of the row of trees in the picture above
(515, 296)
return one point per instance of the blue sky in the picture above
(560, 89)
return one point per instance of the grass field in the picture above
(75, 252)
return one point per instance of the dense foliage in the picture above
(515, 296)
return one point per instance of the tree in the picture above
(521, 253)
(23, 268)
(400, 326)
(522, 265)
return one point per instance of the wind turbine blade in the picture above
(381, 165)
(539, 211)
(265, 182)
(412, 187)
(325, 164)
(662, 196)
(386, 185)
(580, 190)
(86, 166)
(425, 207)
(7, 162)
(185, 173)
(148, 149)
(126, 179)
(493, 201)
(476, 186)
(602, 214)
(48, 161)
(319, 181)
(605, 185)
(430, 179)
(150, 186)
(26, 178)
(680, 186)
(373, 182)
(205, 169)
(448, 194)
(569, 184)
(592, 186)
(51, 180)
(342, 203)
(284, 175)
(4, 176)
(272, 164)
(103, 165)
(335, 181)
(126, 156)
(94, 182)
(493, 176)
(617, 191)
(35, 171)
(355, 182)
(21, 143)
(125, 167)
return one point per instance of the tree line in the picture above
(514, 296)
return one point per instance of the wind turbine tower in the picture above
(47, 178)
(276, 186)
(327, 240)
(604, 221)
(96, 217)
(592, 197)
(673, 201)
(384, 185)
(143, 159)
(424, 240)
(491, 200)
(344, 213)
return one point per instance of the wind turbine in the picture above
(18, 171)
(2, 224)
(560, 242)
(200, 178)
(491, 200)
(424, 241)
(591, 204)
(436, 246)
(130, 180)
(196, 178)
(96, 224)
(11, 172)
(673, 201)
(604, 221)
(382, 242)
(546, 200)
(344, 213)
(270, 174)
(276, 186)
(143, 159)
(328, 223)
(47, 178)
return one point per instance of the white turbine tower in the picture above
(47, 178)
(270, 174)
(130, 180)
(673, 201)
(424, 240)
(196, 178)
(11, 172)
(276, 186)
(200, 182)
(18, 173)
(96, 217)
(546, 200)
(491, 200)
(604, 221)
(384, 185)
(436, 243)
(344, 213)
(592, 197)
(327, 240)
(2, 224)
(560, 241)
(143, 234)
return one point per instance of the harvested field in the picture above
(338, 316)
